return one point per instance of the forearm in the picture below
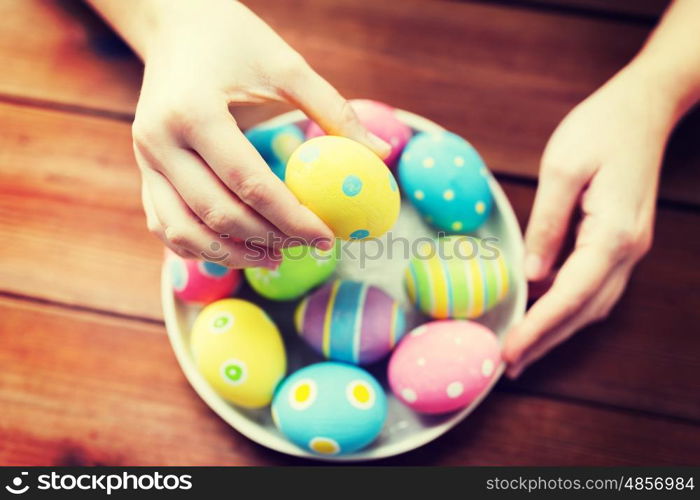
(140, 22)
(670, 59)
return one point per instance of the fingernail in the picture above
(380, 146)
(513, 372)
(533, 267)
(324, 244)
(272, 264)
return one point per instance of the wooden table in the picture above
(86, 372)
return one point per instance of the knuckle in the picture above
(154, 228)
(177, 236)
(561, 171)
(291, 67)
(645, 243)
(622, 239)
(252, 191)
(146, 134)
(217, 219)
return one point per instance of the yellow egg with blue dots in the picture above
(239, 351)
(347, 185)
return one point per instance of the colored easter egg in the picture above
(330, 408)
(444, 366)
(446, 180)
(350, 321)
(302, 269)
(381, 120)
(346, 185)
(239, 351)
(457, 277)
(276, 144)
(200, 281)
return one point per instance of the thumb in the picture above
(557, 194)
(321, 102)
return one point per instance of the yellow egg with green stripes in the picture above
(346, 185)
(457, 277)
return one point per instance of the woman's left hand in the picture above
(603, 159)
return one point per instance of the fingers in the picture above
(579, 280)
(238, 165)
(183, 233)
(211, 201)
(557, 194)
(310, 92)
(594, 310)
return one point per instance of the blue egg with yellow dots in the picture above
(330, 408)
(447, 181)
(275, 145)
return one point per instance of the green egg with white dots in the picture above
(302, 269)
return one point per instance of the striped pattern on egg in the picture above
(457, 277)
(350, 321)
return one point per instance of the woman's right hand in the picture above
(201, 177)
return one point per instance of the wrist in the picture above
(673, 89)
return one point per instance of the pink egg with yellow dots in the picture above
(199, 281)
(381, 120)
(443, 366)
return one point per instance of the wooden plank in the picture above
(501, 76)
(73, 232)
(58, 51)
(73, 228)
(640, 9)
(78, 388)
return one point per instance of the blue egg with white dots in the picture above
(330, 408)
(276, 145)
(447, 181)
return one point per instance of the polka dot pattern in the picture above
(201, 282)
(409, 395)
(447, 171)
(309, 154)
(234, 371)
(324, 446)
(212, 269)
(359, 234)
(330, 408)
(345, 184)
(446, 368)
(352, 185)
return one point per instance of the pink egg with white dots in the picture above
(199, 281)
(443, 366)
(381, 120)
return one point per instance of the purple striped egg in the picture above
(350, 321)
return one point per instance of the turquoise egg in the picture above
(447, 181)
(276, 144)
(330, 408)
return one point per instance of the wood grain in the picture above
(83, 389)
(502, 77)
(638, 9)
(74, 233)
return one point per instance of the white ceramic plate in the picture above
(404, 430)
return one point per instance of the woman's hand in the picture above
(604, 160)
(201, 177)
